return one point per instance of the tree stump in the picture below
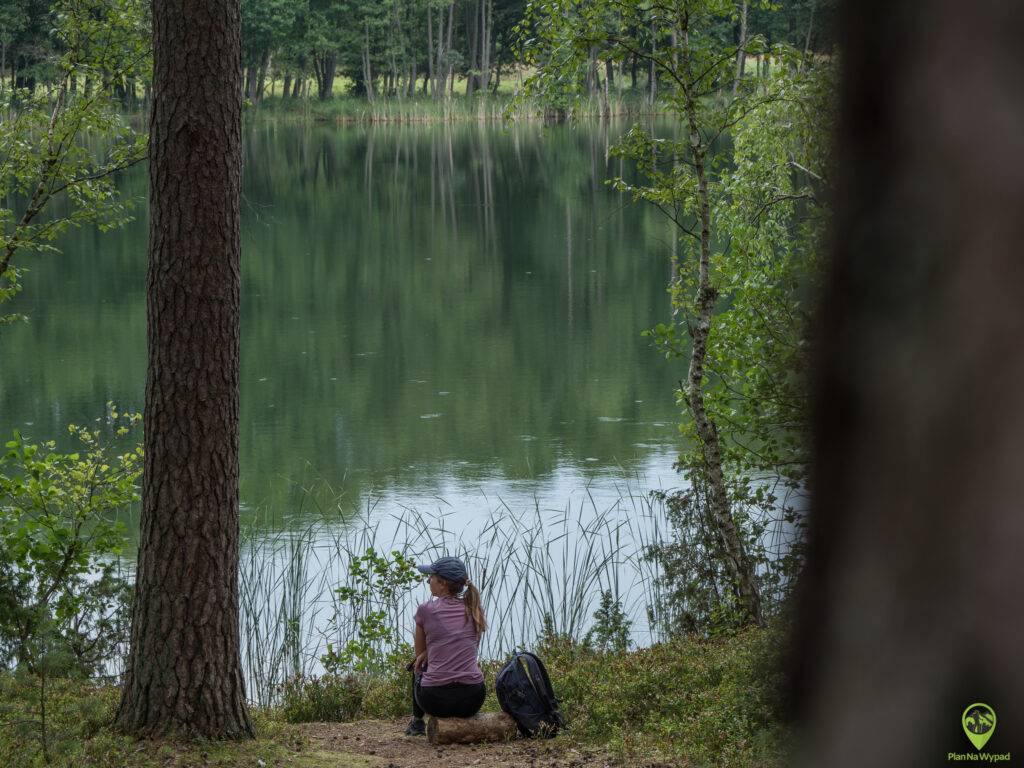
(487, 726)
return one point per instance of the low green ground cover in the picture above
(687, 702)
(78, 734)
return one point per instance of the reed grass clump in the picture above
(539, 571)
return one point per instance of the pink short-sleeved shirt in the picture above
(452, 642)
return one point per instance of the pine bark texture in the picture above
(484, 727)
(184, 673)
(911, 598)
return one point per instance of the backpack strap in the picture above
(537, 668)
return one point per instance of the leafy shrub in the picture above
(369, 603)
(389, 692)
(331, 698)
(696, 593)
(611, 625)
(73, 710)
(388, 697)
(688, 701)
(62, 599)
(385, 694)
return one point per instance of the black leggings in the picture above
(449, 700)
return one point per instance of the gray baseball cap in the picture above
(448, 568)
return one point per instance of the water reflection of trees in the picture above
(382, 266)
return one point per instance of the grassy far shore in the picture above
(346, 108)
(687, 702)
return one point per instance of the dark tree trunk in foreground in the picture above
(912, 598)
(184, 673)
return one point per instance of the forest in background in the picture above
(375, 49)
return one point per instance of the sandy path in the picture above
(384, 741)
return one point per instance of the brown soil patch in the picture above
(385, 741)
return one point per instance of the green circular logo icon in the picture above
(979, 721)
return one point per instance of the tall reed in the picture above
(537, 570)
(532, 567)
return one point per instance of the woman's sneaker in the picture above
(416, 727)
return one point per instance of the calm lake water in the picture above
(440, 329)
(434, 317)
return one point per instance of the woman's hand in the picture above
(420, 662)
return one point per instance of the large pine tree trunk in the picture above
(184, 673)
(912, 593)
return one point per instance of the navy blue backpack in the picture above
(524, 692)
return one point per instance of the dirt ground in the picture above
(384, 740)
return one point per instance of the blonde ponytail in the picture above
(474, 610)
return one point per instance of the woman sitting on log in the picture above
(448, 629)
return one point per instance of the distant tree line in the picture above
(397, 48)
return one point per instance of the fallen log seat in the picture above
(486, 726)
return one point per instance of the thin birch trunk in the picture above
(367, 71)
(261, 78)
(607, 96)
(474, 40)
(487, 12)
(810, 31)
(430, 49)
(450, 77)
(652, 75)
(741, 51)
(738, 565)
